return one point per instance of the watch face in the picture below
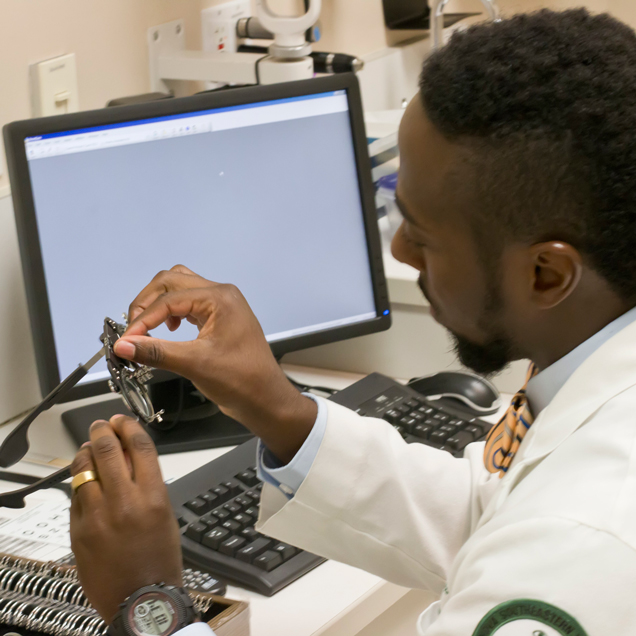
(153, 614)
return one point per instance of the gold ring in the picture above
(83, 478)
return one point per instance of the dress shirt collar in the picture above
(546, 384)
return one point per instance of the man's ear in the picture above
(557, 271)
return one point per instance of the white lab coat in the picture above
(559, 528)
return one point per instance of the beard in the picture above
(487, 359)
(496, 353)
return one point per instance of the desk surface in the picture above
(332, 600)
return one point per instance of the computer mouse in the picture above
(470, 391)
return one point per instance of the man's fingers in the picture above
(160, 354)
(141, 450)
(182, 269)
(89, 494)
(177, 279)
(178, 304)
(110, 462)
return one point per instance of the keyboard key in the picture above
(231, 545)
(222, 493)
(285, 551)
(417, 416)
(233, 508)
(214, 538)
(244, 501)
(447, 428)
(475, 431)
(412, 403)
(210, 520)
(422, 430)
(182, 522)
(233, 487)
(249, 533)
(268, 560)
(248, 477)
(426, 410)
(243, 519)
(441, 417)
(198, 506)
(252, 511)
(483, 426)
(459, 441)
(400, 430)
(407, 423)
(233, 526)
(254, 494)
(210, 499)
(221, 513)
(439, 437)
(392, 416)
(195, 531)
(402, 408)
(253, 549)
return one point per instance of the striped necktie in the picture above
(505, 437)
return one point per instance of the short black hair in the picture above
(546, 104)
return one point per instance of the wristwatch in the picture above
(154, 610)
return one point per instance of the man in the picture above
(518, 191)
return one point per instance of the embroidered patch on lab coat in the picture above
(525, 617)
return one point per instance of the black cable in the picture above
(177, 418)
(307, 387)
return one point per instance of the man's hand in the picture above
(230, 361)
(123, 531)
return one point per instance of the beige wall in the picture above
(107, 36)
(109, 39)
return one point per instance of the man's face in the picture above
(434, 196)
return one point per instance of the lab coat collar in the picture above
(610, 370)
(543, 387)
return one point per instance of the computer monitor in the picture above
(266, 187)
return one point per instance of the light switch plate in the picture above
(54, 86)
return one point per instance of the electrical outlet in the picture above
(218, 25)
(54, 86)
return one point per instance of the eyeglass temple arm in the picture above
(16, 445)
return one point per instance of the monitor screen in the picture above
(265, 195)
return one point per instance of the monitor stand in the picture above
(199, 423)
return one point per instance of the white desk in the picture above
(332, 600)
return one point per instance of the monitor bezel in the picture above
(16, 133)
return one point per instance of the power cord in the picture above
(307, 387)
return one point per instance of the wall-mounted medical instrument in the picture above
(287, 58)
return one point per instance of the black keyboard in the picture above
(412, 415)
(217, 505)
